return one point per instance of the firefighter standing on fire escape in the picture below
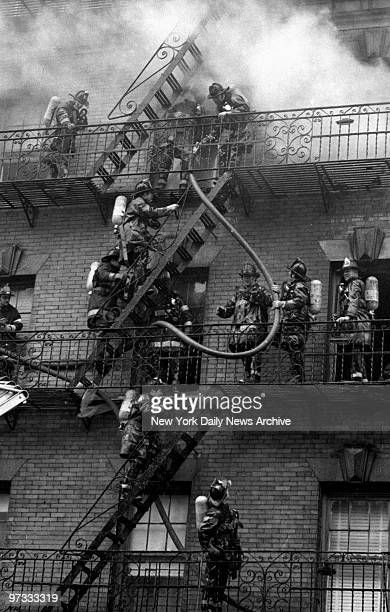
(233, 132)
(217, 526)
(10, 323)
(68, 116)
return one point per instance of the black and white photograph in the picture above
(195, 306)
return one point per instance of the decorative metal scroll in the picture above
(160, 60)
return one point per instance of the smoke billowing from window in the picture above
(281, 55)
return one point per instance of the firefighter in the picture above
(249, 309)
(10, 323)
(353, 319)
(68, 117)
(141, 214)
(169, 353)
(218, 537)
(295, 303)
(233, 131)
(102, 305)
(141, 448)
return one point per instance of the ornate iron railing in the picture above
(165, 149)
(51, 359)
(282, 581)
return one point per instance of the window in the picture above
(23, 289)
(5, 488)
(192, 287)
(151, 535)
(356, 523)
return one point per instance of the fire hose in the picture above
(275, 325)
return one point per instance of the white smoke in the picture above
(280, 54)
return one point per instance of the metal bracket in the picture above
(243, 194)
(27, 205)
(99, 202)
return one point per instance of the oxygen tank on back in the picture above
(51, 109)
(371, 293)
(119, 209)
(315, 297)
(91, 274)
(201, 507)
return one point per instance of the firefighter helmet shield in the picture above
(248, 269)
(216, 89)
(349, 264)
(219, 491)
(298, 268)
(81, 97)
(143, 187)
(5, 290)
(112, 254)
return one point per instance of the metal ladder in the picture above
(170, 84)
(176, 258)
(119, 526)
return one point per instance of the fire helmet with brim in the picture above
(299, 269)
(143, 187)
(6, 290)
(219, 491)
(348, 264)
(215, 90)
(81, 97)
(249, 269)
(112, 254)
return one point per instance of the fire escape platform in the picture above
(51, 192)
(313, 178)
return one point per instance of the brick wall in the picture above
(61, 469)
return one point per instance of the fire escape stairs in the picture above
(162, 95)
(123, 521)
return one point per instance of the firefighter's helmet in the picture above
(219, 491)
(143, 187)
(112, 254)
(298, 268)
(349, 264)
(216, 89)
(5, 290)
(81, 97)
(248, 269)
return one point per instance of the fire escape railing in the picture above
(292, 581)
(50, 359)
(262, 139)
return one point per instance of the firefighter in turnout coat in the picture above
(68, 117)
(102, 302)
(233, 133)
(139, 216)
(218, 537)
(249, 309)
(353, 319)
(295, 302)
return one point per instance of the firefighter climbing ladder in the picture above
(118, 527)
(176, 258)
(159, 98)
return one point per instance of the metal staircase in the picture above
(185, 60)
(121, 523)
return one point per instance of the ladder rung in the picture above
(139, 129)
(207, 221)
(184, 66)
(127, 144)
(107, 178)
(195, 236)
(174, 84)
(172, 268)
(162, 99)
(117, 161)
(150, 112)
(195, 51)
(184, 254)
